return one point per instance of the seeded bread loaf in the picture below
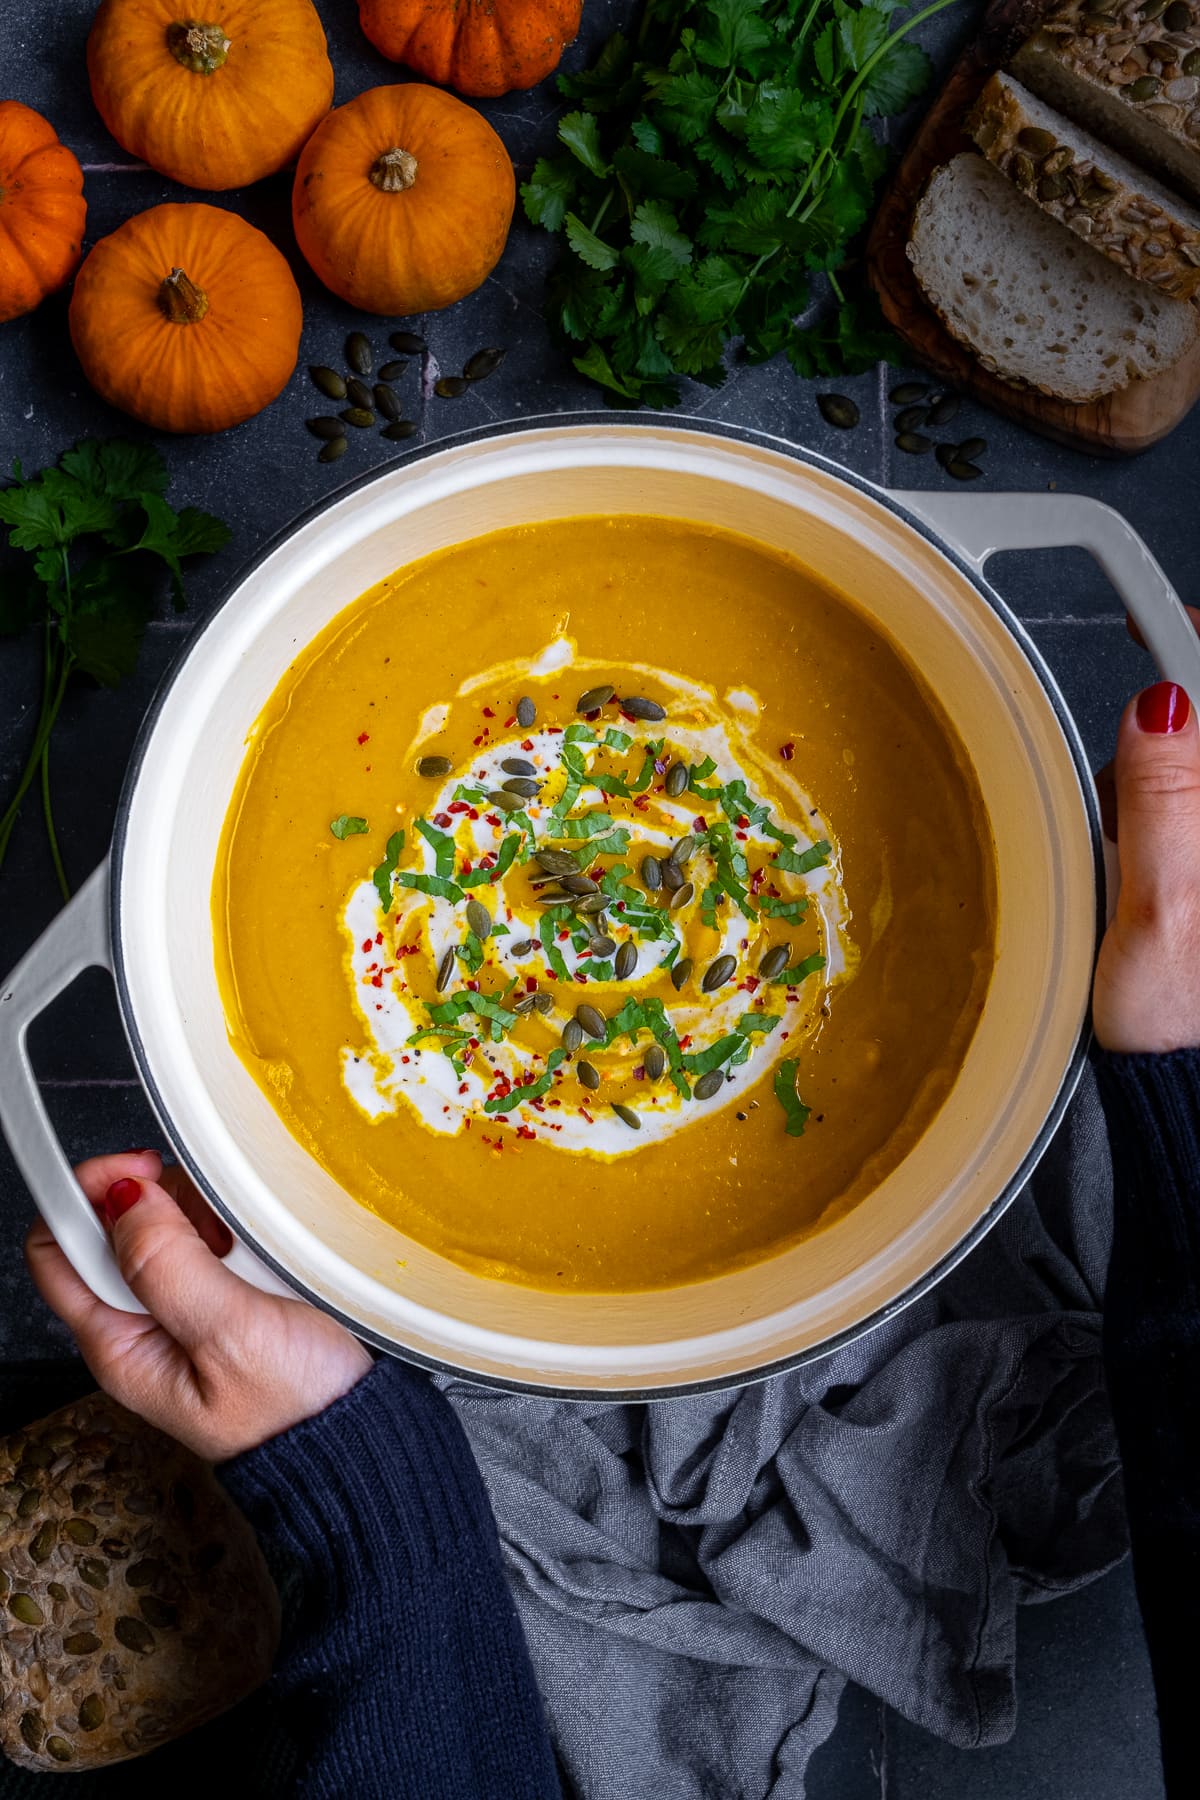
(1130, 71)
(1033, 303)
(1127, 215)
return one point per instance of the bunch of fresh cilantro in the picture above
(87, 534)
(716, 164)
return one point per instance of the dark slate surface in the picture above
(1086, 1707)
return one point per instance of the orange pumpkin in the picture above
(42, 210)
(403, 199)
(187, 318)
(214, 103)
(479, 47)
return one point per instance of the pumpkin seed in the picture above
(392, 371)
(580, 884)
(335, 448)
(651, 873)
(94, 1572)
(1153, 9)
(1178, 17)
(1024, 170)
(1059, 161)
(409, 343)
(38, 1456)
(592, 1020)
(595, 698)
(32, 1730)
(81, 1643)
(963, 471)
(680, 972)
(655, 1062)
(946, 454)
(911, 418)
(556, 862)
(149, 1572)
(526, 712)
(708, 1085)
(507, 802)
(399, 428)
(639, 708)
(970, 448)
(386, 403)
(907, 393)
(1053, 187)
(43, 1543)
(1146, 87)
(592, 903)
(445, 969)
(25, 1608)
(157, 1612)
(358, 393)
(588, 1076)
(944, 408)
(483, 364)
(1191, 63)
(774, 962)
(361, 417)
(682, 850)
(28, 1504)
(528, 790)
(479, 919)
(681, 896)
(672, 875)
(59, 1748)
(718, 973)
(572, 1035)
(524, 948)
(358, 352)
(516, 765)
(839, 410)
(1037, 140)
(325, 428)
(434, 767)
(91, 1713)
(543, 1003)
(552, 896)
(451, 387)
(677, 780)
(134, 1634)
(601, 946)
(913, 444)
(626, 961)
(57, 1591)
(330, 383)
(627, 1116)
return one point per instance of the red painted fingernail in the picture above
(120, 1197)
(1163, 708)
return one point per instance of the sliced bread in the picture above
(1036, 305)
(1129, 70)
(1127, 215)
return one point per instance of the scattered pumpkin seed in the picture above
(592, 903)
(682, 850)
(580, 884)
(361, 417)
(399, 428)
(718, 973)
(32, 1730)
(358, 393)
(556, 862)
(434, 767)
(970, 448)
(1178, 17)
(523, 1005)
(150, 1571)
(158, 1613)
(516, 765)
(43, 1541)
(94, 1572)
(521, 784)
(358, 352)
(543, 1003)
(1024, 170)
(57, 1591)
(651, 873)
(946, 454)
(409, 343)
(774, 962)
(627, 1116)
(907, 393)
(524, 948)
(677, 780)
(483, 364)
(1191, 63)
(655, 1062)
(386, 403)
(334, 449)
(1037, 140)
(451, 387)
(680, 972)
(912, 418)
(639, 708)
(507, 802)
(1053, 187)
(25, 1609)
(1059, 161)
(28, 1503)
(445, 969)
(672, 875)
(595, 698)
(962, 470)
(944, 408)
(588, 1076)
(330, 383)
(526, 712)
(913, 444)
(708, 1085)
(839, 410)
(325, 428)
(59, 1749)
(592, 1020)
(681, 896)
(134, 1634)
(81, 1643)
(1153, 9)
(602, 945)
(1146, 87)
(392, 371)
(91, 1713)
(479, 919)
(572, 1035)
(626, 962)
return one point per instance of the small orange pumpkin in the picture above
(479, 47)
(187, 318)
(403, 199)
(42, 210)
(216, 102)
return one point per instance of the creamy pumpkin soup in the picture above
(605, 903)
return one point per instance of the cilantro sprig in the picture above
(85, 533)
(713, 166)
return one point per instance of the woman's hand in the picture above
(1147, 991)
(216, 1364)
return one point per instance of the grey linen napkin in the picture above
(697, 1578)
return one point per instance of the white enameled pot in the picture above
(913, 563)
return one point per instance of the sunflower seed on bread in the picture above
(1035, 304)
(1125, 214)
(1129, 70)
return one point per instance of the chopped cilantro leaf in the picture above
(429, 884)
(443, 846)
(579, 734)
(800, 971)
(387, 868)
(752, 1022)
(470, 953)
(532, 1090)
(590, 826)
(704, 1061)
(785, 1092)
(551, 922)
(345, 826)
(804, 863)
(784, 909)
(617, 740)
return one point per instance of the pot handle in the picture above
(77, 939)
(977, 525)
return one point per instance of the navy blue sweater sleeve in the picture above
(407, 1676)
(1152, 1360)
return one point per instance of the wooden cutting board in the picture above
(1119, 425)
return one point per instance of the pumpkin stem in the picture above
(200, 48)
(394, 171)
(181, 300)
